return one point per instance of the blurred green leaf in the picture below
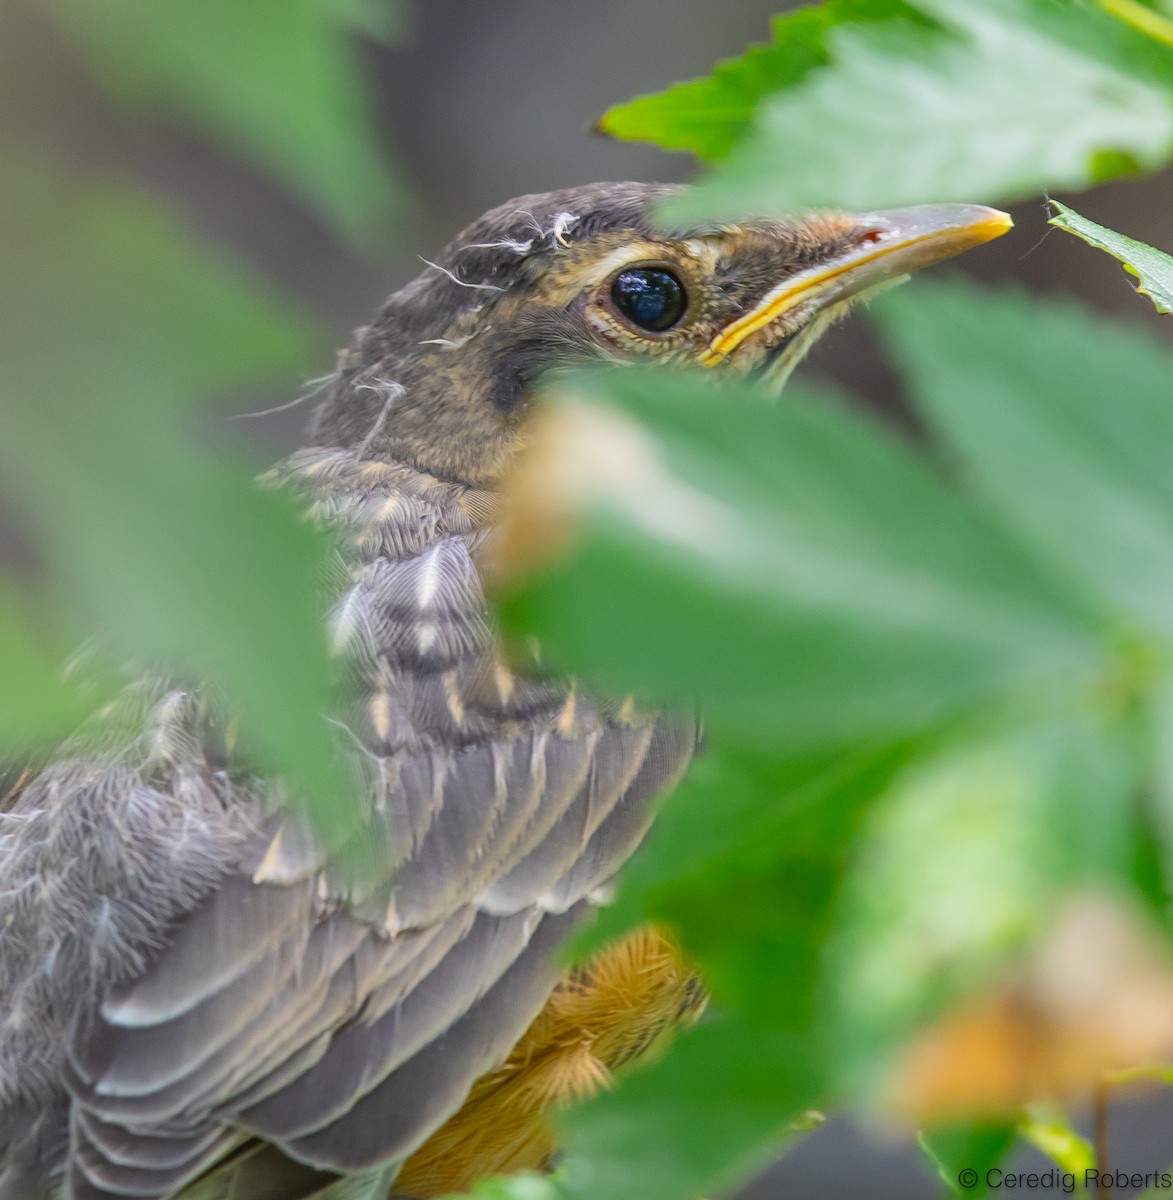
(35, 702)
(526, 1186)
(1154, 19)
(1033, 95)
(1048, 1129)
(715, 1108)
(111, 289)
(794, 567)
(759, 915)
(807, 802)
(1152, 268)
(708, 116)
(848, 906)
(976, 1148)
(838, 901)
(1092, 31)
(783, 833)
(963, 864)
(1159, 711)
(112, 328)
(276, 79)
(1062, 420)
(760, 847)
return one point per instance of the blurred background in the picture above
(481, 102)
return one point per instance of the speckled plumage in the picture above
(193, 999)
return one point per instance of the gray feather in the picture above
(395, 1118)
(363, 1054)
(183, 971)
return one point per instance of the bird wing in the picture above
(342, 1021)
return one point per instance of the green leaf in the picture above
(829, 910)
(525, 1186)
(716, 1107)
(794, 568)
(1154, 20)
(1094, 31)
(963, 863)
(1160, 716)
(885, 124)
(805, 802)
(112, 328)
(746, 864)
(708, 116)
(976, 1149)
(1152, 268)
(784, 825)
(36, 704)
(278, 80)
(1061, 419)
(1048, 1129)
(761, 848)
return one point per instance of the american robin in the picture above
(194, 1000)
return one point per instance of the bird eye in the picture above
(649, 297)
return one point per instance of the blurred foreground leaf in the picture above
(1154, 19)
(729, 816)
(1062, 420)
(794, 566)
(716, 1108)
(962, 865)
(1152, 268)
(709, 116)
(1049, 1130)
(858, 106)
(833, 915)
(35, 702)
(976, 1148)
(526, 1186)
(276, 79)
(112, 328)
(761, 848)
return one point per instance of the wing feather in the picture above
(341, 1027)
(618, 755)
(218, 944)
(363, 1054)
(396, 1117)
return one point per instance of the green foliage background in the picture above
(938, 680)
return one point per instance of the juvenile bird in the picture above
(194, 1000)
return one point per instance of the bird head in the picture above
(443, 378)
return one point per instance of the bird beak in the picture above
(891, 244)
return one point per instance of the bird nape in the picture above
(195, 1000)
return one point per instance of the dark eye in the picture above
(649, 297)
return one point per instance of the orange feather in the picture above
(613, 1010)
